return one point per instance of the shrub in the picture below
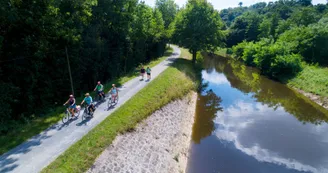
(229, 51)
(238, 50)
(286, 65)
(249, 52)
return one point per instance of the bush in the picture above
(229, 51)
(273, 59)
(249, 52)
(286, 65)
(238, 50)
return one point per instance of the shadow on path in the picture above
(7, 160)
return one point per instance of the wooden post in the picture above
(69, 70)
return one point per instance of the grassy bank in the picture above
(30, 128)
(312, 79)
(173, 83)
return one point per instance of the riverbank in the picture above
(310, 82)
(159, 144)
(174, 83)
(30, 128)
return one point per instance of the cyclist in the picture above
(100, 89)
(88, 100)
(142, 72)
(114, 92)
(148, 70)
(72, 105)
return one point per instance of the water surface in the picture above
(248, 123)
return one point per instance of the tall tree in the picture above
(240, 4)
(198, 27)
(169, 9)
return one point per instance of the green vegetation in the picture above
(173, 83)
(34, 126)
(312, 79)
(198, 27)
(102, 39)
(282, 39)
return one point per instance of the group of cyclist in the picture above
(88, 99)
(100, 92)
(142, 72)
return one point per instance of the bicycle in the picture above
(68, 115)
(111, 101)
(101, 96)
(86, 113)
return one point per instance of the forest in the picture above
(105, 39)
(101, 39)
(280, 38)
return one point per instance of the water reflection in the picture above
(207, 105)
(268, 92)
(248, 123)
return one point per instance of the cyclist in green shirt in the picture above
(100, 89)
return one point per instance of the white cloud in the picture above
(215, 77)
(237, 123)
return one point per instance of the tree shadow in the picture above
(8, 163)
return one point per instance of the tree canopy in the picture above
(104, 39)
(276, 37)
(198, 26)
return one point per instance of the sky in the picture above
(222, 4)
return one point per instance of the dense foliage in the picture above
(276, 37)
(103, 39)
(198, 27)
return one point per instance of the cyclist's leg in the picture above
(71, 110)
(90, 108)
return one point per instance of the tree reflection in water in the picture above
(267, 91)
(208, 104)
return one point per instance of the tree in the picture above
(169, 9)
(198, 27)
(240, 4)
(104, 38)
(245, 27)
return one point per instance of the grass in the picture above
(33, 127)
(174, 83)
(312, 79)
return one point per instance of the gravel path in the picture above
(159, 144)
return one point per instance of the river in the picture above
(247, 123)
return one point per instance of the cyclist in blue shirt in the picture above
(114, 92)
(88, 101)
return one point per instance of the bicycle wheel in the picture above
(77, 114)
(109, 103)
(66, 117)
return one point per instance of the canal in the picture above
(247, 123)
